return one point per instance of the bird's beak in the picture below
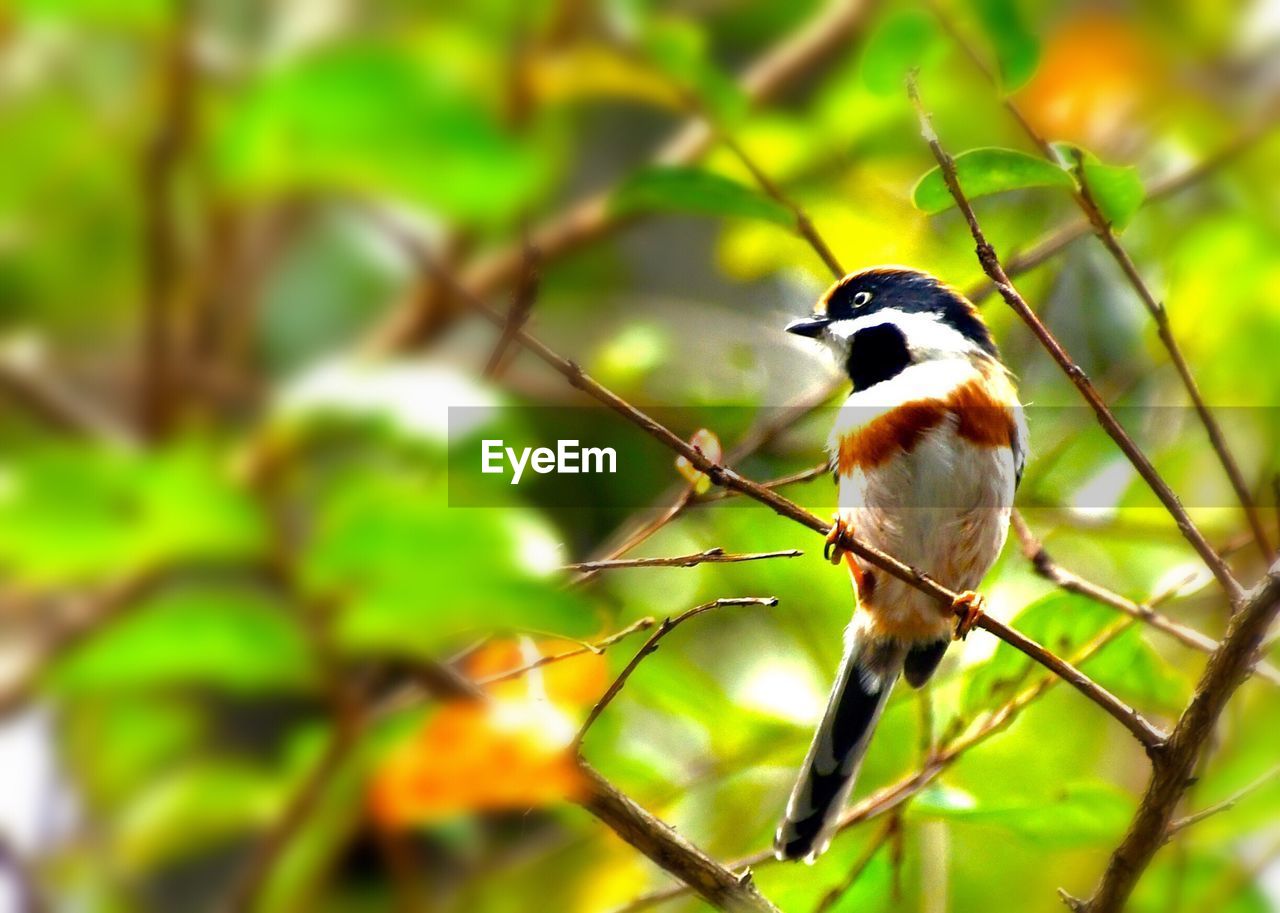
(808, 326)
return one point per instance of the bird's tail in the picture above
(867, 672)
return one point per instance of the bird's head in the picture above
(880, 321)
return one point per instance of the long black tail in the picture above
(867, 673)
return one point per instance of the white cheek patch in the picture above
(927, 336)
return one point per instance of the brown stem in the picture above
(1171, 774)
(727, 477)
(1102, 228)
(710, 556)
(991, 266)
(1049, 569)
(665, 628)
(598, 647)
(891, 797)
(714, 883)
(1225, 805)
(785, 64)
(159, 228)
(832, 897)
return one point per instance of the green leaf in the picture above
(64, 512)
(197, 808)
(413, 575)
(1117, 189)
(902, 41)
(376, 120)
(227, 638)
(1080, 814)
(692, 190)
(986, 171)
(116, 743)
(1017, 51)
(679, 49)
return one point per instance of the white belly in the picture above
(943, 508)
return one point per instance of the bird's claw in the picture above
(833, 551)
(968, 608)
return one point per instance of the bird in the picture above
(927, 453)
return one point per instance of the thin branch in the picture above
(710, 556)
(25, 381)
(1048, 568)
(642, 624)
(991, 266)
(795, 478)
(521, 304)
(1225, 805)
(891, 797)
(667, 626)
(716, 884)
(725, 476)
(160, 232)
(782, 66)
(832, 897)
(1102, 228)
(1171, 774)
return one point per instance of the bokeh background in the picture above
(232, 555)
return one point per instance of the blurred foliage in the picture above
(304, 496)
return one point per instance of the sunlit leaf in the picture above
(225, 638)
(709, 444)
(405, 569)
(1079, 814)
(692, 190)
(1117, 190)
(372, 120)
(69, 514)
(987, 171)
(197, 808)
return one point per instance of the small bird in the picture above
(927, 453)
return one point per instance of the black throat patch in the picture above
(876, 354)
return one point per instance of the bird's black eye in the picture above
(861, 299)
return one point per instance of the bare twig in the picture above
(1102, 228)
(804, 475)
(891, 797)
(597, 648)
(51, 399)
(710, 556)
(1046, 567)
(665, 628)
(1171, 774)
(160, 232)
(725, 476)
(991, 266)
(832, 897)
(716, 884)
(521, 304)
(838, 24)
(1225, 805)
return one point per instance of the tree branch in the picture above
(1171, 774)
(591, 219)
(1102, 228)
(727, 477)
(1046, 567)
(892, 796)
(1225, 805)
(991, 266)
(668, 625)
(710, 556)
(716, 884)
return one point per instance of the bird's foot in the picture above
(833, 551)
(968, 608)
